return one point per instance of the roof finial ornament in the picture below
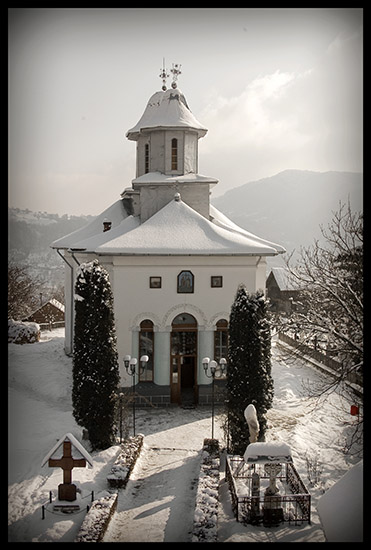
(176, 72)
(164, 75)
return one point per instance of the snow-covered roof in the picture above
(177, 229)
(283, 279)
(51, 301)
(341, 507)
(115, 213)
(167, 109)
(91, 243)
(159, 177)
(56, 304)
(273, 452)
(220, 219)
(77, 450)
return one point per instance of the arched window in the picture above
(174, 154)
(146, 158)
(146, 347)
(221, 340)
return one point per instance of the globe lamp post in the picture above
(212, 366)
(131, 368)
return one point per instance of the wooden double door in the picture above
(183, 363)
(184, 379)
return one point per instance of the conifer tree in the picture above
(95, 360)
(249, 366)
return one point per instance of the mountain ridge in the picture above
(289, 207)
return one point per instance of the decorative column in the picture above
(135, 346)
(205, 349)
(162, 357)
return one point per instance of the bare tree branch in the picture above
(330, 307)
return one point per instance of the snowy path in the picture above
(158, 502)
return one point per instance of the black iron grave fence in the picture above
(290, 505)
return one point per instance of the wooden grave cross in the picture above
(67, 490)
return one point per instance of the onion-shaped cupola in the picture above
(167, 133)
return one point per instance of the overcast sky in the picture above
(276, 88)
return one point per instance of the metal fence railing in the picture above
(322, 357)
(292, 507)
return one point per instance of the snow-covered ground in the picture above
(158, 502)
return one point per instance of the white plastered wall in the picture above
(135, 301)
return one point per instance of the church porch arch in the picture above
(138, 319)
(195, 311)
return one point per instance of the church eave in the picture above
(189, 254)
(159, 178)
(201, 132)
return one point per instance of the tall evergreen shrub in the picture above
(95, 359)
(249, 366)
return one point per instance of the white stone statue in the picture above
(273, 470)
(252, 421)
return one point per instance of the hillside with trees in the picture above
(29, 237)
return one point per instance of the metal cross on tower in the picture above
(176, 72)
(164, 75)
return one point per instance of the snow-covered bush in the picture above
(23, 333)
(95, 360)
(97, 519)
(205, 521)
(125, 462)
(249, 366)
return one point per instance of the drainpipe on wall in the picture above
(256, 274)
(74, 257)
(72, 300)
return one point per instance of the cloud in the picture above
(309, 120)
(257, 133)
(260, 115)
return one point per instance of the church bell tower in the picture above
(167, 137)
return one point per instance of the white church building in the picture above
(175, 261)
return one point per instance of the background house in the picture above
(49, 315)
(281, 290)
